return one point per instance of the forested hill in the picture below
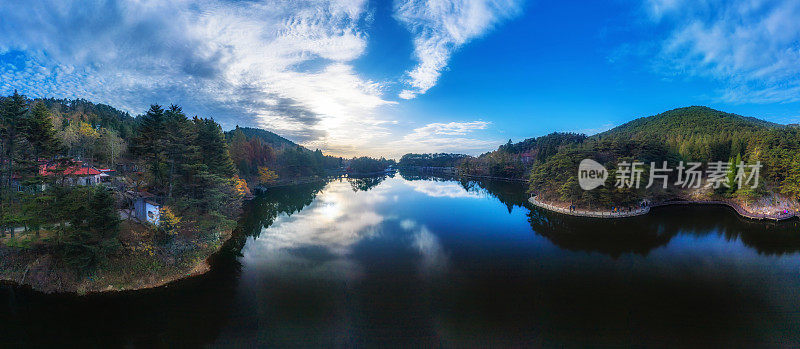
(106, 116)
(685, 134)
(265, 136)
(687, 122)
(96, 115)
(692, 128)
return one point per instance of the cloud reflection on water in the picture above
(443, 189)
(319, 240)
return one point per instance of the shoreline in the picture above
(608, 214)
(587, 213)
(154, 281)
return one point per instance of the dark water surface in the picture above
(420, 261)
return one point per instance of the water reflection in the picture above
(318, 238)
(365, 183)
(642, 234)
(423, 261)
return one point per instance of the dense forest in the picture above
(54, 153)
(511, 160)
(686, 134)
(514, 160)
(49, 146)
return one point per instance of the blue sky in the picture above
(358, 77)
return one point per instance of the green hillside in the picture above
(265, 136)
(685, 134)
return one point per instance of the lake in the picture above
(414, 260)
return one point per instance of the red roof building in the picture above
(75, 170)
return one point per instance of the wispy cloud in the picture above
(452, 137)
(750, 45)
(442, 26)
(282, 65)
(447, 129)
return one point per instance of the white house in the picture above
(73, 175)
(146, 208)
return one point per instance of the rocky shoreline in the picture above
(646, 209)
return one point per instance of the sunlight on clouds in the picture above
(443, 138)
(442, 26)
(285, 66)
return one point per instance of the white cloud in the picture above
(753, 46)
(282, 65)
(448, 129)
(441, 27)
(453, 137)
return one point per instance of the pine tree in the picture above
(40, 133)
(149, 142)
(182, 153)
(214, 149)
(12, 115)
(150, 132)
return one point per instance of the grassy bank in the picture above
(138, 263)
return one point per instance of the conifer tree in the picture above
(12, 115)
(214, 149)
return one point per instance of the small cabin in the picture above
(146, 208)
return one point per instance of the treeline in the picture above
(515, 160)
(431, 160)
(256, 151)
(367, 165)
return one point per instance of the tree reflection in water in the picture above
(431, 274)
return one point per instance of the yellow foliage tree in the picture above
(265, 175)
(87, 130)
(168, 222)
(241, 186)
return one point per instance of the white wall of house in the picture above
(153, 213)
(146, 211)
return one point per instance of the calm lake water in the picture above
(411, 260)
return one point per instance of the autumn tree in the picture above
(266, 176)
(168, 224)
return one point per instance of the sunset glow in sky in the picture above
(382, 78)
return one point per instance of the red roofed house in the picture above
(73, 175)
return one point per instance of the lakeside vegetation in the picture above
(689, 134)
(686, 134)
(71, 173)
